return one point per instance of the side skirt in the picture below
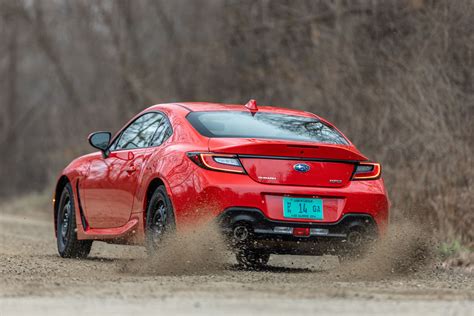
(122, 235)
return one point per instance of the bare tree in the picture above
(396, 76)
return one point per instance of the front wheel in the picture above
(159, 219)
(252, 259)
(66, 230)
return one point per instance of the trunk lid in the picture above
(292, 163)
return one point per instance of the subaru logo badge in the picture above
(301, 167)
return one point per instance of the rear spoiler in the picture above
(284, 149)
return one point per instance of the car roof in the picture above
(209, 106)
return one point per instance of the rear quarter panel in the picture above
(169, 163)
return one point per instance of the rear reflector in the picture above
(301, 232)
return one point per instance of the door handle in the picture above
(131, 169)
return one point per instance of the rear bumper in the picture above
(276, 236)
(206, 194)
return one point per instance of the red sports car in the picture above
(276, 180)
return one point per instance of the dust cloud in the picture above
(405, 249)
(200, 250)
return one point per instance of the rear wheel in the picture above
(159, 220)
(251, 258)
(66, 230)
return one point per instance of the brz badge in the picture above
(266, 178)
(301, 167)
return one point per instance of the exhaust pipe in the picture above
(241, 233)
(354, 238)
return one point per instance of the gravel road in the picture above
(35, 280)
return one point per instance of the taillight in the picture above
(217, 162)
(367, 171)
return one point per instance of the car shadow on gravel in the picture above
(90, 259)
(102, 259)
(270, 268)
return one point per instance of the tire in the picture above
(252, 259)
(66, 229)
(160, 220)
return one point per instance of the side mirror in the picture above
(100, 140)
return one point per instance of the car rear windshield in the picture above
(236, 124)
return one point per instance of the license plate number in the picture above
(302, 208)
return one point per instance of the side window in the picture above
(139, 133)
(162, 133)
